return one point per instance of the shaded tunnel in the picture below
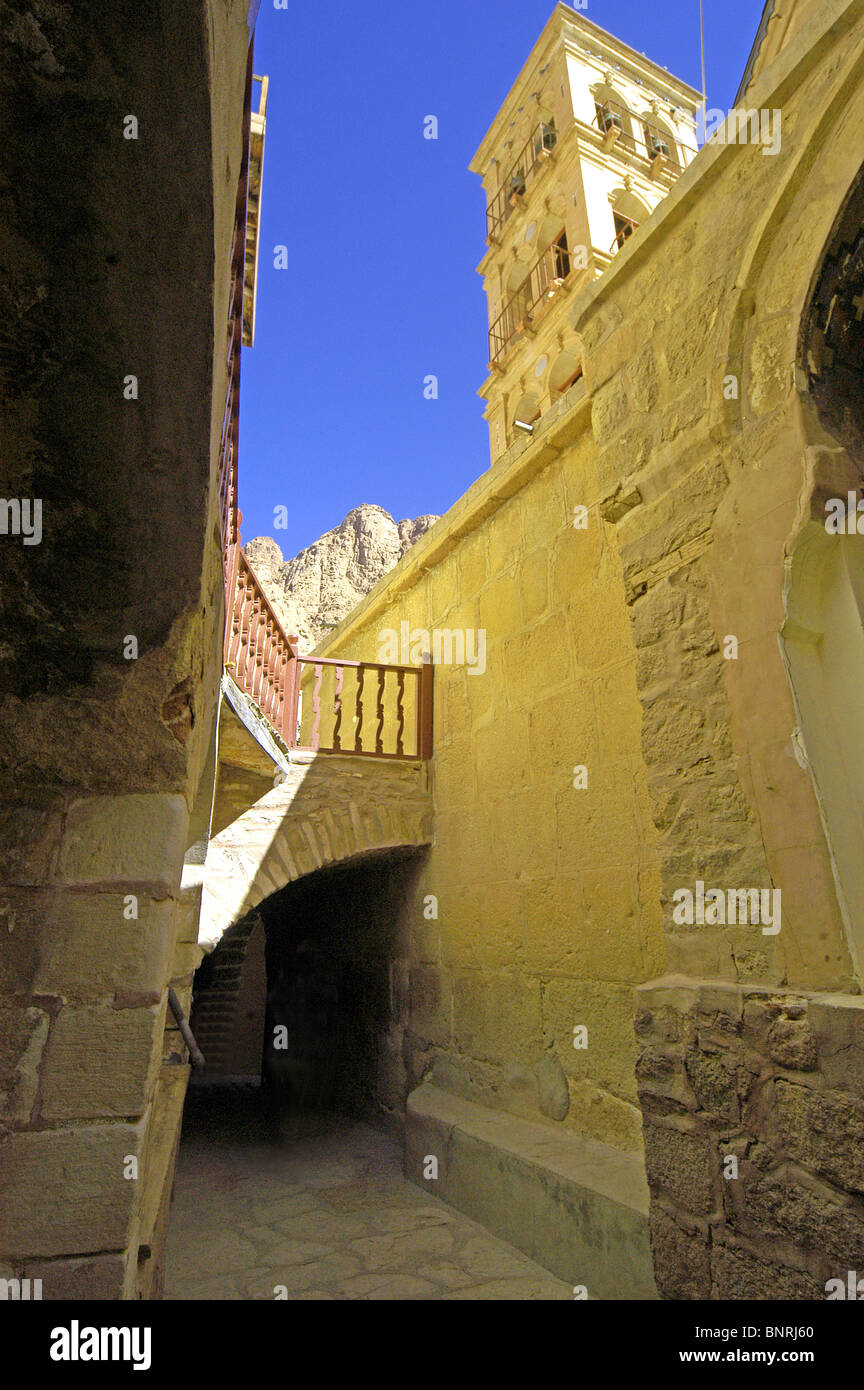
(309, 992)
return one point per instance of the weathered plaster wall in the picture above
(112, 249)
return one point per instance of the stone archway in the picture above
(329, 810)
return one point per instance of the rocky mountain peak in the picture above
(316, 589)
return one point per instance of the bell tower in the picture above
(590, 138)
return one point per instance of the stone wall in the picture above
(649, 648)
(753, 1101)
(537, 909)
(705, 304)
(112, 251)
(711, 452)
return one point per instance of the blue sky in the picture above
(384, 230)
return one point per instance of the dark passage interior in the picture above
(309, 992)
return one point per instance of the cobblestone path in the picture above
(320, 1208)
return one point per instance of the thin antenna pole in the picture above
(702, 49)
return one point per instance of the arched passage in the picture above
(306, 884)
(309, 991)
(330, 809)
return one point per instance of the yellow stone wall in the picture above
(708, 300)
(606, 646)
(548, 896)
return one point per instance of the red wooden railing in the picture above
(258, 653)
(380, 721)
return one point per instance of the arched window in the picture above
(660, 142)
(565, 370)
(628, 213)
(527, 410)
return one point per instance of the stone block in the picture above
(609, 410)
(825, 1132)
(604, 1010)
(682, 1258)
(553, 1093)
(814, 1220)
(23, 1032)
(22, 912)
(504, 538)
(137, 839)
(737, 1274)
(497, 1017)
(473, 563)
(574, 560)
(62, 1191)
(838, 1023)
(534, 585)
(95, 1278)
(679, 1164)
(544, 510)
(718, 1080)
(100, 1061)
(430, 1003)
(29, 844)
(578, 1207)
(792, 1044)
(88, 944)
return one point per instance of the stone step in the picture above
(576, 1206)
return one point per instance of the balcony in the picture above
(534, 155)
(624, 228)
(546, 277)
(362, 708)
(616, 123)
(390, 712)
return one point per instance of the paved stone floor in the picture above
(320, 1207)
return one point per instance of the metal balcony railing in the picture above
(624, 228)
(545, 278)
(659, 146)
(612, 120)
(536, 151)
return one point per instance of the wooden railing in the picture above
(364, 708)
(546, 276)
(260, 655)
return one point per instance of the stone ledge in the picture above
(578, 1207)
